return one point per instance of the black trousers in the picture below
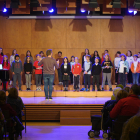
(116, 77)
(129, 76)
(65, 83)
(96, 78)
(122, 78)
(87, 80)
(76, 82)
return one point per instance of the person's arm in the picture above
(111, 65)
(56, 65)
(80, 69)
(69, 68)
(62, 69)
(127, 65)
(90, 67)
(116, 110)
(82, 61)
(40, 63)
(12, 67)
(103, 65)
(11, 111)
(72, 69)
(100, 68)
(21, 66)
(11, 60)
(8, 66)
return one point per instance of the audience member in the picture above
(115, 92)
(127, 89)
(120, 85)
(128, 106)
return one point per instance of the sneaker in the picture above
(20, 89)
(74, 90)
(66, 89)
(78, 90)
(59, 83)
(102, 89)
(85, 89)
(37, 89)
(110, 89)
(93, 89)
(50, 98)
(29, 89)
(88, 89)
(99, 89)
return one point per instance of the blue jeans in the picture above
(135, 78)
(59, 75)
(48, 80)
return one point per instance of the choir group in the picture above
(127, 68)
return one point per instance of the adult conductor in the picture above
(48, 72)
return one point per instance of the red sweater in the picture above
(37, 71)
(76, 69)
(128, 106)
(1, 59)
(5, 66)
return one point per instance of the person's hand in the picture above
(85, 72)
(91, 76)
(27, 72)
(13, 73)
(75, 75)
(126, 73)
(58, 62)
(116, 71)
(21, 73)
(107, 67)
(40, 58)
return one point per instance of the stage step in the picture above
(61, 88)
(75, 117)
(66, 94)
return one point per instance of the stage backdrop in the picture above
(70, 36)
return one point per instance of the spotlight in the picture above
(137, 4)
(135, 12)
(51, 11)
(83, 11)
(116, 3)
(4, 10)
(14, 3)
(93, 4)
(34, 3)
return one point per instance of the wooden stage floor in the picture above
(37, 108)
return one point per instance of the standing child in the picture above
(60, 59)
(135, 68)
(87, 72)
(107, 66)
(17, 71)
(72, 62)
(38, 72)
(130, 60)
(116, 62)
(123, 69)
(96, 70)
(28, 68)
(6, 67)
(65, 69)
(76, 70)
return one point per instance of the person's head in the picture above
(16, 57)
(135, 57)
(126, 89)
(28, 60)
(106, 57)
(28, 53)
(134, 90)
(49, 53)
(86, 51)
(1, 51)
(97, 60)
(120, 85)
(2, 97)
(115, 91)
(72, 58)
(118, 53)
(13, 93)
(65, 59)
(96, 54)
(59, 54)
(5, 58)
(106, 51)
(41, 53)
(121, 94)
(138, 54)
(129, 53)
(87, 58)
(38, 57)
(76, 60)
(123, 57)
(14, 52)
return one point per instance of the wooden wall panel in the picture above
(83, 33)
(70, 36)
(49, 33)
(118, 33)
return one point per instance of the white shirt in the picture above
(130, 60)
(121, 68)
(116, 61)
(138, 59)
(96, 64)
(65, 65)
(135, 65)
(85, 58)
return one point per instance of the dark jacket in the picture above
(65, 70)
(28, 67)
(107, 63)
(96, 70)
